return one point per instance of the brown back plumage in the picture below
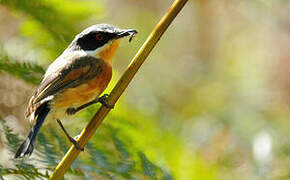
(80, 70)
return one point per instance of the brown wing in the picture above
(74, 74)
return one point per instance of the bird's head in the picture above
(101, 40)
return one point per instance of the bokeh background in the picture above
(211, 102)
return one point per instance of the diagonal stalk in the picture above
(120, 87)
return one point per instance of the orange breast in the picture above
(86, 92)
(108, 52)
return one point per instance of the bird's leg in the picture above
(72, 140)
(72, 111)
(102, 100)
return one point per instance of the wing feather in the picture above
(75, 73)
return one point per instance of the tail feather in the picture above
(27, 146)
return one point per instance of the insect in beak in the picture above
(127, 32)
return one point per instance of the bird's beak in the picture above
(126, 32)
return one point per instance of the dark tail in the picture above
(27, 146)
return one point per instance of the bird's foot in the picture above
(71, 111)
(103, 101)
(72, 140)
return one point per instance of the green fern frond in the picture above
(13, 141)
(22, 168)
(29, 72)
(98, 157)
(101, 163)
(47, 150)
(148, 167)
(61, 141)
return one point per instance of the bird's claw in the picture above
(71, 111)
(103, 101)
(72, 140)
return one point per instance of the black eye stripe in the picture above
(90, 42)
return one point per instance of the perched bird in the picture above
(74, 80)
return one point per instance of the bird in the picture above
(75, 80)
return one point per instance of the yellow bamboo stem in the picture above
(121, 85)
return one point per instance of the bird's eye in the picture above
(99, 37)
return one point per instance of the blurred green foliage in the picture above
(211, 102)
(50, 26)
(27, 71)
(112, 159)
